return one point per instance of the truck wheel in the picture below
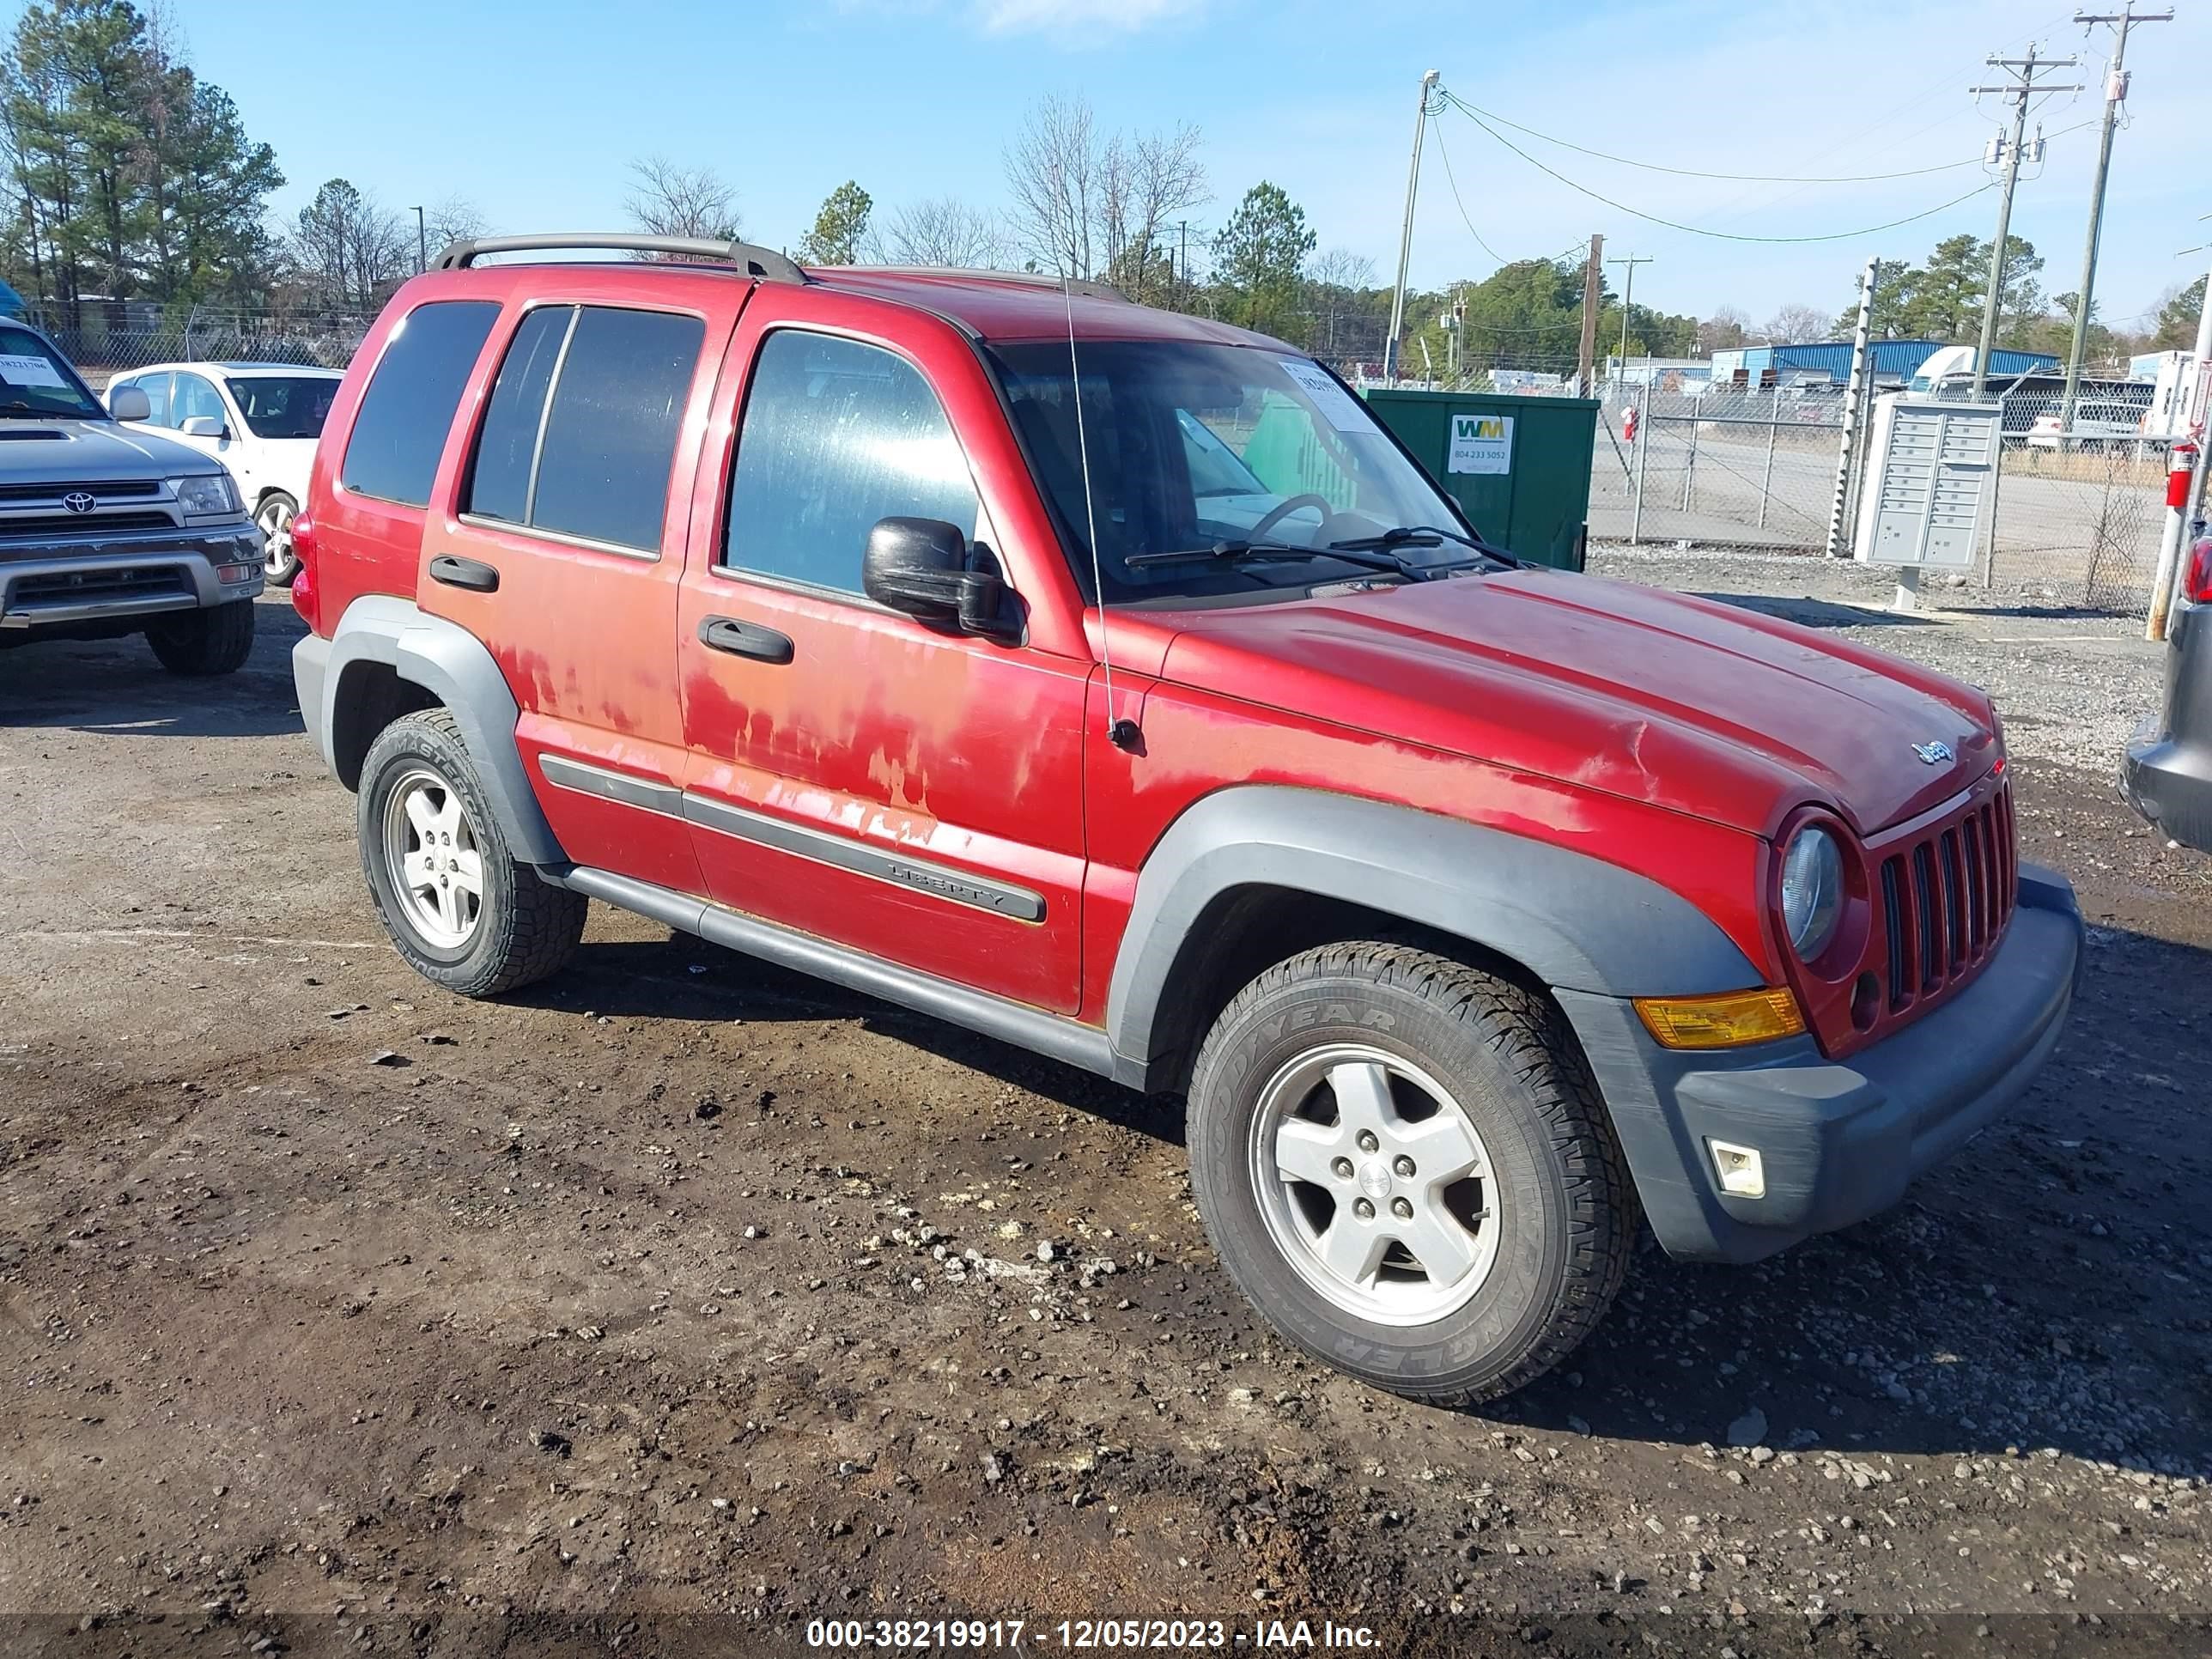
(463, 910)
(280, 564)
(1405, 1164)
(215, 640)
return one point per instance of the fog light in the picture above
(237, 572)
(1739, 1168)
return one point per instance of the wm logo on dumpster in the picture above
(1476, 428)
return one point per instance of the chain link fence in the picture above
(104, 337)
(2076, 520)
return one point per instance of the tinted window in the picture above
(196, 398)
(499, 483)
(611, 434)
(284, 406)
(400, 428)
(837, 435)
(34, 380)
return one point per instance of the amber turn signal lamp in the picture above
(1727, 1021)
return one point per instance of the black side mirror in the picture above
(919, 567)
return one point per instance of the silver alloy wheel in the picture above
(1374, 1185)
(431, 859)
(275, 520)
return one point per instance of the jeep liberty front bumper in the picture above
(1840, 1139)
(99, 581)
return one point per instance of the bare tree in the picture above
(1337, 279)
(941, 231)
(1796, 325)
(348, 249)
(1728, 326)
(1052, 173)
(456, 219)
(1146, 181)
(665, 199)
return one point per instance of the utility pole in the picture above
(1627, 298)
(1593, 287)
(421, 244)
(2116, 92)
(1182, 273)
(2024, 87)
(1406, 235)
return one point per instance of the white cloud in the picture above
(1080, 17)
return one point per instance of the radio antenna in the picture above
(1121, 733)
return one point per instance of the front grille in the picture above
(105, 490)
(90, 586)
(20, 526)
(1946, 898)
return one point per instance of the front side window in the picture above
(197, 400)
(156, 388)
(36, 380)
(595, 463)
(282, 406)
(399, 430)
(1192, 445)
(838, 436)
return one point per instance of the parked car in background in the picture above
(1181, 729)
(259, 420)
(106, 531)
(2168, 775)
(2096, 426)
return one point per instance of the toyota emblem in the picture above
(79, 500)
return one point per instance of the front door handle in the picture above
(744, 639)
(472, 573)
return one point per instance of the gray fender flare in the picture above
(1574, 921)
(459, 670)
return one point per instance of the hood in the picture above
(39, 452)
(1702, 708)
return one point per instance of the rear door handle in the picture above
(472, 573)
(744, 639)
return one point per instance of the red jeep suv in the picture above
(1109, 682)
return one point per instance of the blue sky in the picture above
(533, 110)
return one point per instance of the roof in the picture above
(247, 368)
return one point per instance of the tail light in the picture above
(2199, 584)
(303, 585)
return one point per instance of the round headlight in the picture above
(1812, 891)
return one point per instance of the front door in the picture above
(901, 788)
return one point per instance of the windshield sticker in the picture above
(30, 371)
(1340, 408)
(1481, 443)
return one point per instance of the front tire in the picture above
(1404, 1163)
(280, 563)
(462, 909)
(200, 644)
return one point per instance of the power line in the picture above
(1461, 205)
(1692, 172)
(1697, 230)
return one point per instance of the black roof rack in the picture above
(1027, 278)
(764, 262)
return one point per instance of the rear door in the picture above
(561, 551)
(901, 788)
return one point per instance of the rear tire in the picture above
(281, 563)
(1359, 1115)
(204, 643)
(462, 909)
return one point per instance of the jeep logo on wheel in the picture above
(79, 500)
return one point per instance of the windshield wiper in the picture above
(1239, 552)
(1423, 535)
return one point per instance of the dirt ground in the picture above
(683, 1301)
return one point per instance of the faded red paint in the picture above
(1675, 737)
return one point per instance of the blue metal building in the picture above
(1893, 359)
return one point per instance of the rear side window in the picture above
(399, 431)
(595, 463)
(837, 435)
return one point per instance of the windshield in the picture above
(1193, 445)
(34, 380)
(284, 407)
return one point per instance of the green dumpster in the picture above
(1520, 467)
